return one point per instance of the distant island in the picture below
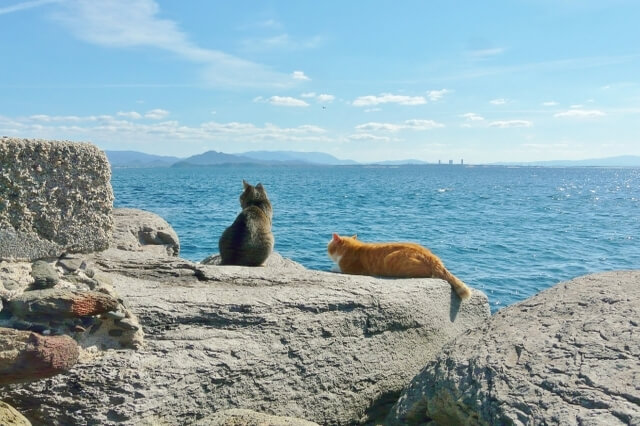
(134, 159)
(215, 158)
(619, 161)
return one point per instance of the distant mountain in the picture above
(400, 162)
(139, 159)
(296, 157)
(213, 158)
(620, 161)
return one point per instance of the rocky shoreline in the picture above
(124, 331)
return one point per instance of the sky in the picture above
(490, 81)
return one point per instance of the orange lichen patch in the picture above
(92, 303)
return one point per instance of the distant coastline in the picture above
(135, 159)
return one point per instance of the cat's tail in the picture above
(462, 290)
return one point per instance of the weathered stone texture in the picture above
(55, 197)
(240, 417)
(26, 356)
(569, 355)
(280, 340)
(9, 416)
(82, 303)
(139, 230)
(61, 303)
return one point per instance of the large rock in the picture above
(55, 197)
(61, 303)
(280, 340)
(569, 355)
(10, 417)
(240, 417)
(26, 356)
(81, 304)
(139, 230)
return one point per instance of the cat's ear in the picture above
(355, 236)
(245, 184)
(259, 187)
(336, 238)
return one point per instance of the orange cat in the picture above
(400, 260)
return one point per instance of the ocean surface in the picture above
(509, 232)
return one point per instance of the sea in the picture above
(508, 231)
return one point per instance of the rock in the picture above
(71, 308)
(126, 324)
(115, 315)
(274, 261)
(139, 230)
(26, 356)
(324, 347)
(44, 275)
(239, 417)
(72, 264)
(9, 416)
(61, 303)
(55, 197)
(15, 277)
(569, 355)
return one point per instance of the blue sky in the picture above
(519, 80)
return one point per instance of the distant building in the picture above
(462, 161)
(450, 162)
(439, 162)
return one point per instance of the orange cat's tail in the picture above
(462, 290)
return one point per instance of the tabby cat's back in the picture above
(249, 240)
(399, 260)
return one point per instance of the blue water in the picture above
(510, 232)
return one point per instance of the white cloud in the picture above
(505, 124)
(325, 98)
(550, 103)
(369, 137)
(108, 128)
(129, 114)
(281, 42)
(500, 101)
(156, 114)
(67, 118)
(135, 23)
(575, 106)
(299, 75)
(25, 5)
(376, 127)
(581, 113)
(386, 98)
(472, 116)
(373, 109)
(436, 95)
(422, 124)
(287, 101)
(406, 125)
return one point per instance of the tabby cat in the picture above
(400, 260)
(249, 241)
